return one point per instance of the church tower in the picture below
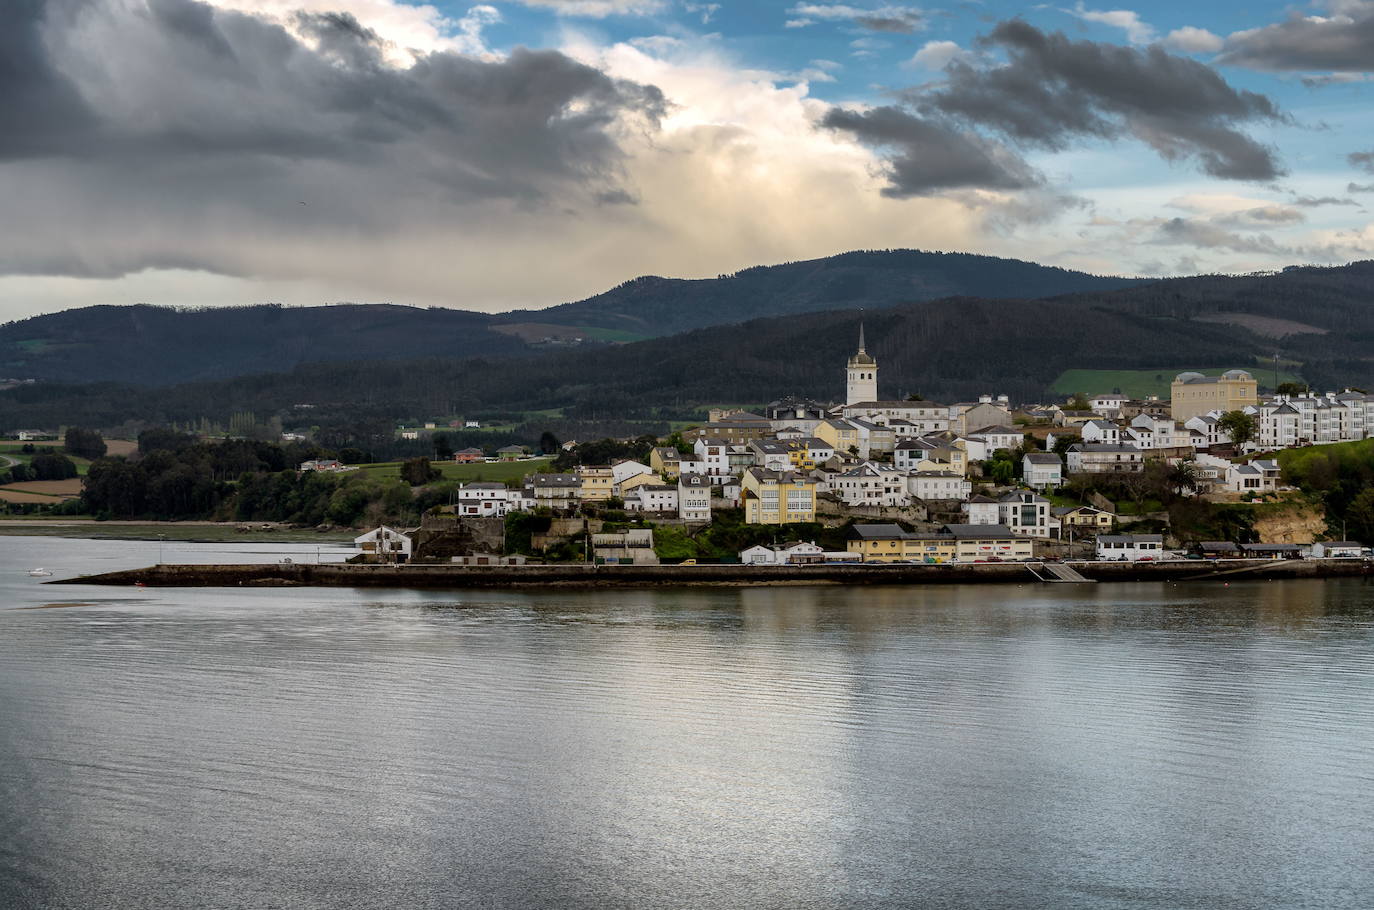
(861, 375)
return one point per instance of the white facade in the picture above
(787, 554)
(1130, 547)
(1027, 514)
(694, 497)
(1101, 431)
(861, 375)
(486, 499)
(871, 485)
(1099, 458)
(938, 485)
(1287, 421)
(658, 498)
(624, 470)
(982, 511)
(1042, 470)
(714, 455)
(387, 544)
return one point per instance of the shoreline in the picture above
(345, 575)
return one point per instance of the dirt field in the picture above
(46, 490)
(112, 446)
(9, 495)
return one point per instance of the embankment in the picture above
(340, 575)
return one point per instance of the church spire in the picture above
(861, 336)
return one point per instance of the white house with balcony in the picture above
(1027, 514)
(1042, 470)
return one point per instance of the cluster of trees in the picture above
(1342, 476)
(45, 466)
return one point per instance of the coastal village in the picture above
(913, 481)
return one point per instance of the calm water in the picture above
(1127, 746)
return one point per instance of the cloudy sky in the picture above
(529, 153)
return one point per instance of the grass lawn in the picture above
(1143, 383)
(14, 451)
(464, 473)
(600, 334)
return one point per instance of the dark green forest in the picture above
(147, 345)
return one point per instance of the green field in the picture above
(14, 451)
(464, 473)
(1143, 383)
(600, 334)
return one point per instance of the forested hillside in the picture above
(653, 306)
(945, 350)
(147, 345)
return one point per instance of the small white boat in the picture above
(40, 572)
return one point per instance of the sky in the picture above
(524, 154)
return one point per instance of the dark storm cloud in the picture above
(1341, 43)
(40, 109)
(927, 157)
(165, 107)
(1053, 90)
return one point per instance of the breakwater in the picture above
(344, 575)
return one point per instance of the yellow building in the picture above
(598, 482)
(952, 543)
(777, 497)
(638, 480)
(841, 434)
(889, 543)
(664, 460)
(1193, 394)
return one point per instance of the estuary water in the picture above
(1117, 746)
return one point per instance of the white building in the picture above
(1100, 458)
(999, 437)
(1337, 549)
(1042, 470)
(771, 454)
(714, 455)
(661, 499)
(1130, 547)
(694, 497)
(906, 418)
(937, 485)
(486, 499)
(622, 471)
(1027, 514)
(861, 375)
(791, 554)
(1101, 431)
(982, 510)
(1258, 476)
(387, 544)
(870, 485)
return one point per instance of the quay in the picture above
(418, 575)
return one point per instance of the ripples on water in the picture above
(1071, 746)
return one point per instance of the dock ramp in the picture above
(1052, 572)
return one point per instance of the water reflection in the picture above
(1055, 746)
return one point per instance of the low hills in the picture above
(148, 345)
(950, 349)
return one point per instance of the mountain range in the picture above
(153, 345)
(1314, 322)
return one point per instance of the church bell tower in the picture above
(861, 375)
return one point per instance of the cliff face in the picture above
(1292, 521)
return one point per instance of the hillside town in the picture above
(920, 481)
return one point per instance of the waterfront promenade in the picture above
(583, 575)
